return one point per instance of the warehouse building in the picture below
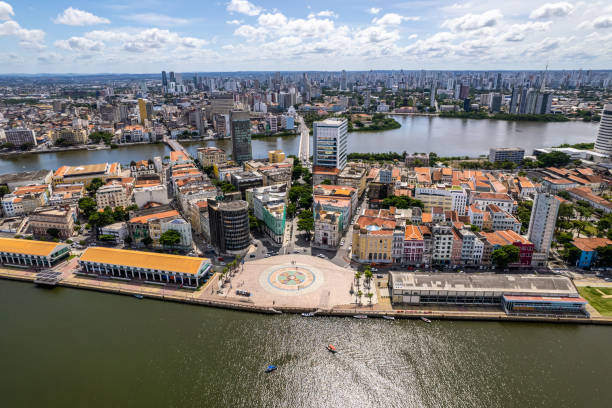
(149, 266)
(29, 253)
(545, 294)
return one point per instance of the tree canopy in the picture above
(505, 255)
(170, 238)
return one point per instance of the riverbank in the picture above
(207, 296)
(91, 148)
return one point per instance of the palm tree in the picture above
(369, 295)
(368, 275)
(357, 277)
(359, 295)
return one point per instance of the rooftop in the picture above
(146, 260)
(509, 284)
(28, 247)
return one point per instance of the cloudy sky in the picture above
(138, 36)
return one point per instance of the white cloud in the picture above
(134, 41)
(374, 10)
(390, 19)
(243, 7)
(549, 10)
(76, 17)
(518, 32)
(412, 36)
(545, 46)
(6, 11)
(80, 44)
(272, 20)
(157, 19)
(234, 22)
(603, 22)
(27, 38)
(600, 22)
(324, 13)
(471, 22)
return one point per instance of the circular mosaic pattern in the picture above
(291, 277)
(291, 280)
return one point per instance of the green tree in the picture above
(401, 202)
(571, 254)
(3, 191)
(147, 240)
(95, 184)
(170, 238)
(604, 256)
(291, 209)
(505, 255)
(305, 222)
(564, 194)
(326, 182)
(88, 206)
(554, 159)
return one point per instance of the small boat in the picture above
(388, 317)
(309, 314)
(426, 320)
(360, 317)
(139, 296)
(331, 349)
(270, 368)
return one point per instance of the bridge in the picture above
(304, 151)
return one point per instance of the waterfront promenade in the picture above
(277, 285)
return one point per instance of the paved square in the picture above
(294, 281)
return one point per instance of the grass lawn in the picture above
(603, 306)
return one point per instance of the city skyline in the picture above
(238, 35)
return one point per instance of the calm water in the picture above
(65, 348)
(455, 137)
(418, 134)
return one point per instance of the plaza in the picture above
(299, 281)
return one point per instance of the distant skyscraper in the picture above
(496, 103)
(603, 143)
(432, 96)
(330, 143)
(172, 77)
(240, 127)
(164, 79)
(464, 91)
(467, 104)
(514, 100)
(142, 108)
(542, 223)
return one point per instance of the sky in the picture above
(145, 36)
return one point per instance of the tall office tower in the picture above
(240, 128)
(496, 100)
(330, 143)
(514, 100)
(343, 86)
(164, 79)
(172, 77)
(603, 143)
(432, 96)
(464, 92)
(229, 225)
(523, 101)
(142, 108)
(543, 103)
(531, 101)
(542, 222)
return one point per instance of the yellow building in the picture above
(276, 156)
(142, 108)
(37, 254)
(85, 173)
(373, 237)
(150, 266)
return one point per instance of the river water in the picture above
(69, 348)
(445, 136)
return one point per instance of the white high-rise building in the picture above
(330, 143)
(542, 223)
(603, 143)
